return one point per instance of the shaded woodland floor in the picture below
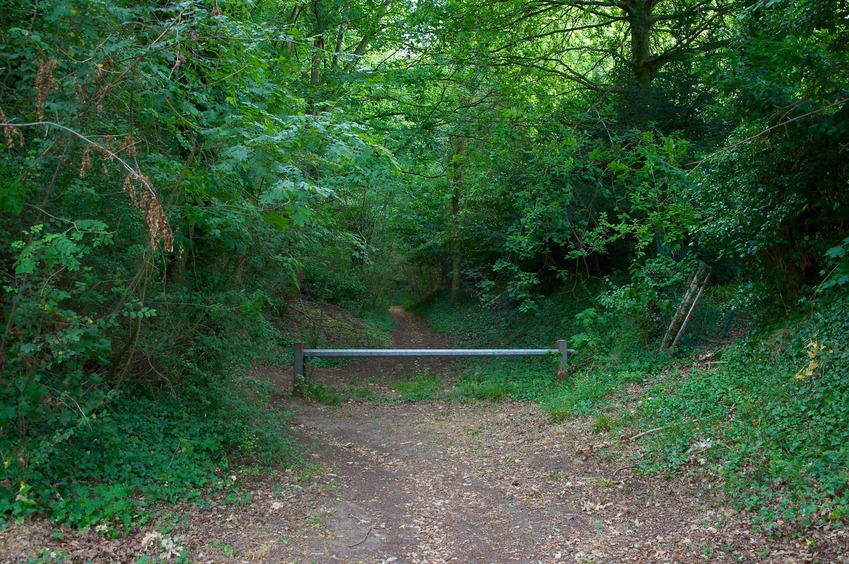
(391, 481)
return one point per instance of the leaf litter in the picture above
(440, 482)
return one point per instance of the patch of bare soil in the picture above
(440, 482)
(411, 332)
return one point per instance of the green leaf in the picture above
(836, 252)
(12, 195)
(300, 216)
(277, 220)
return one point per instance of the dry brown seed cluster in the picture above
(45, 83)
(85, 166)
(146, 202)
(10, 131)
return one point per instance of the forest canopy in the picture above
(174, 174)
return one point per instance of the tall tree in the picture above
(776, 193)
(641, 50)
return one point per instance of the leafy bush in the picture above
(136, 452)
(772, 422)
(75, 442)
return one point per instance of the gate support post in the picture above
(300, 374)
(563, 357)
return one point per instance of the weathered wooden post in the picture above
(563, 357)
(300, 374)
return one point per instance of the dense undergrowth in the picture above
(770, 420)
(112, 463)
(135, 453)
(81, 450)
(766, 416)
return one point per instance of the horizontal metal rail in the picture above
(365, 353)
(302, 353)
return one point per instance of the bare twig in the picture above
(649, 432)
(364, 538)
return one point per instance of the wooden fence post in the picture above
(300, 374)
(563, 360)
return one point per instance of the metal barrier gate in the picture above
(560, 350)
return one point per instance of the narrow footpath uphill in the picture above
(393, 481)
(491, 482)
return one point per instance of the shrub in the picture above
(773, 422)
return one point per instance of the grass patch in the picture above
(421, 386)
(498, 380)
(587, 391)
(322, 393)
(335, 396)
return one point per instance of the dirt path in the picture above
(437, 482)
(440, 482)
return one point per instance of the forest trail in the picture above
(391, 481)
(485, 482)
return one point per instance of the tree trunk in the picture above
(340, 35)
(640, 19)
(455, 171)
(315, 63)
(455, 248)
(315, 70)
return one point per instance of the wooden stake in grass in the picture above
(690, 312)
(685, 309)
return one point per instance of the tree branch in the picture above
(768, 129)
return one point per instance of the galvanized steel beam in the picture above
(302, 353)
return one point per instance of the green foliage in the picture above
(644, 304)
(774, 197)
(137, 452)
(771, 422)
(330, 277)
(592, 331)
(50, 389)
(475, 326)
(129, 130)
(838, 273)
